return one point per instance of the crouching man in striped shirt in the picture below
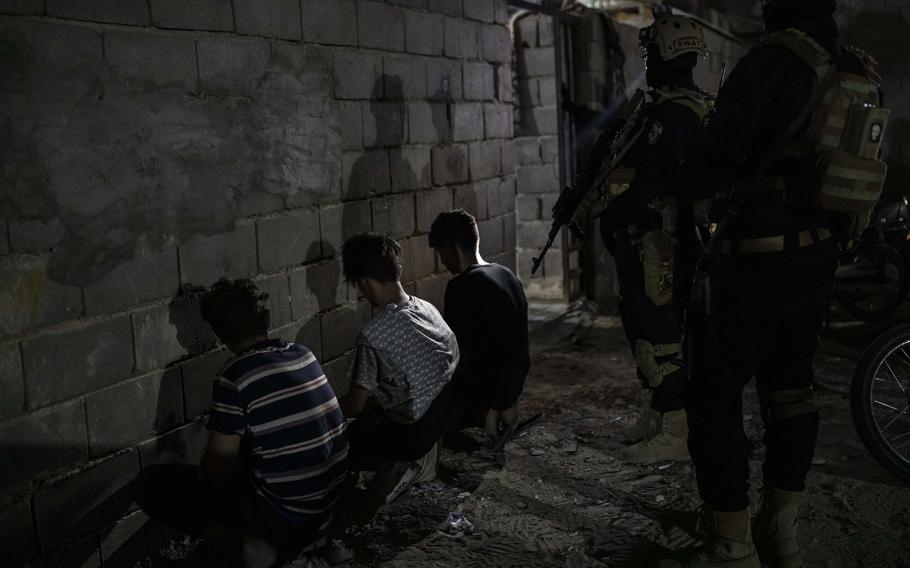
(400, 394)
(277, 450)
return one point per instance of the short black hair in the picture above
(236, 310)
(370, 255)
(456, 226)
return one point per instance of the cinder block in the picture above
(340, 328)
(417, 4)
(149, 275)
(536, 61)
(394, 216)
(528, 94)
(537, 179)
(97, 354)
(349, 114)
(473, 199)
(448, 7)
(12, 382)
(502, 196)
(18, 544)
(158, 57)
(365, 174)
(423, 33)
(482, 10)
(79, 505)
(356, 74)
(526, 32)
(383, 123)
(461, 39)
(500, 11)
(43, 441)
(495, 44)
(509, 236)
(29, 298)
(404, 77)
(158, 339)
(467, 121)
(533, 234)
(540, 120)
(547, 202)
(316, 288)
(478, 81)
(433, 290)
(309, 334)
(423, 257)
(329, 21)
(84, 553)
(430, 204)
(410, 168)
(198, 376)
(491, 236)
(25, 7)
(545, 32)
(336, 371)
(527, 207)
(509, 160)
(279, 301)
(232, 65)
(484, 159)
(128, 12)
(443, 80)
(504, 83)
(287, 240)
(183, 445)
(498, 120)
(212, 15)
(342, 221)
(389, 35)
(132, 411)
(450, 164)
(549, 149)
(271, 18)
(547, 88)
(428, 123)
(205, 259)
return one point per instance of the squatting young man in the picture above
(277, 448)
(486, 307)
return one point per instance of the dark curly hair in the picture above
(370, 255)
(236, 310)
(456, 226)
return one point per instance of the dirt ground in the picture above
(561, 497)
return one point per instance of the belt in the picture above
(775, 243)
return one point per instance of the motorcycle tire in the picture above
(872, 417)
(901, 262)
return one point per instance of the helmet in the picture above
(673, 36)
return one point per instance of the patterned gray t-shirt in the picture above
(404, 357)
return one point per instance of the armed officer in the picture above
(636, 227)
(793, 148)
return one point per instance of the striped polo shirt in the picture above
(276, 391)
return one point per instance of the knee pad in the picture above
(783, 404)
(646, 355)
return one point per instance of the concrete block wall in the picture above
(153, 146)
(536, 155)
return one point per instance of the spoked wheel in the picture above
(880, 400)
(874, 283)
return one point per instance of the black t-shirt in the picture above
(487, 310)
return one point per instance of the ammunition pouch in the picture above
(657, 264)
(647, 354)
(783, 404)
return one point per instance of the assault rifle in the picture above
(609, 150)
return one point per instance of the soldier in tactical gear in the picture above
(632, 206)
(769, 150)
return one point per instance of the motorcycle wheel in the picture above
(880, 400)
(873, 299)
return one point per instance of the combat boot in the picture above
(728, 542)
(775, 528)
(647, 425)
(669, 444)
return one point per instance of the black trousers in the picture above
(374, 439)
(173, 495)
(766, 312)
(643, 319)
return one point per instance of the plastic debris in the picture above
(458, 525)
